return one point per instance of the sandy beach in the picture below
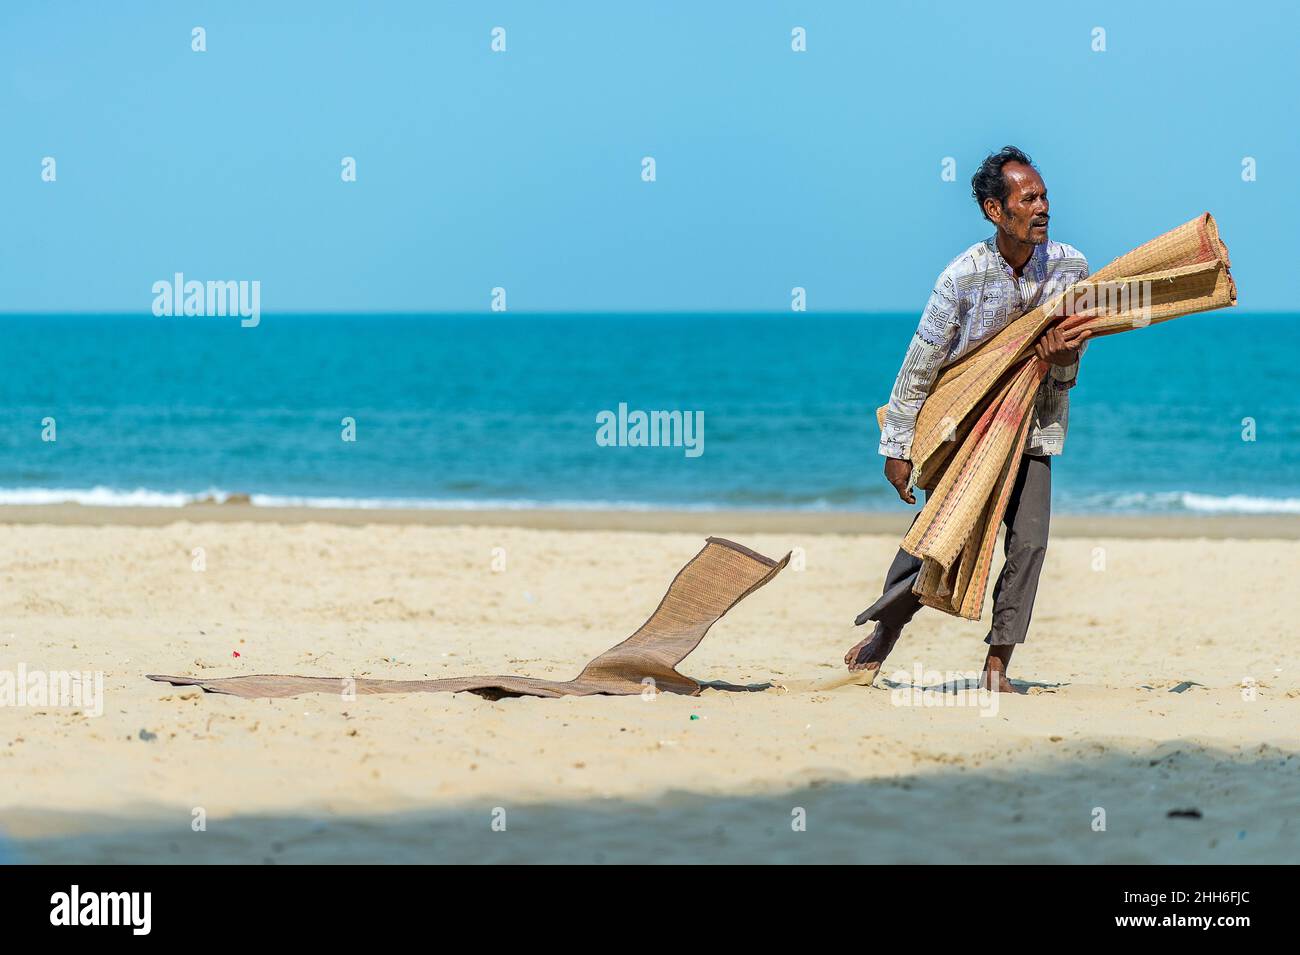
(1162, 676)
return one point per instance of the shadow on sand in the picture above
(992, 813)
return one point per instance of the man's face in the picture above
(1023, 216)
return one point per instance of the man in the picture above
(981, 291)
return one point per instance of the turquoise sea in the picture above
(501, 410)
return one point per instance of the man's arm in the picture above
(1062, 351)
(1065, 377)
(926, 353)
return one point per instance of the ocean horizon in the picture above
(539, 410)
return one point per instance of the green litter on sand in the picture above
(694, 717)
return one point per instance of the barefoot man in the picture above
(981, 291)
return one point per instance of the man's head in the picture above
(1012, 195)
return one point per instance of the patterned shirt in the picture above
(977, 296)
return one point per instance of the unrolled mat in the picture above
(711, 583)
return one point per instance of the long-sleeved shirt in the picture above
(975, 297)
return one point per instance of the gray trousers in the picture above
(1029, 511)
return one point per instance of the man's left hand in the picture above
(1060, 348)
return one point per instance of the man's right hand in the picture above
(898, 473)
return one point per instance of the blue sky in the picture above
(522, 169)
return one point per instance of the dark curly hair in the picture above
(988, 181)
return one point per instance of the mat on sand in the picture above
(714, 581)
(972, 428)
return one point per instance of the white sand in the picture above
(418, 777)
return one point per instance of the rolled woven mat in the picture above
(972, 428)
(711, 583)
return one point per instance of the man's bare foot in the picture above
(994, 677)
(870, 653)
